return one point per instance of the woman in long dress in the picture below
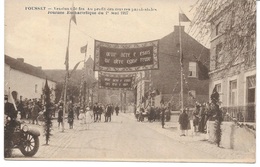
(82, 119)
(184, 122)
(89, 117)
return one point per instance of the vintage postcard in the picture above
(130, 81)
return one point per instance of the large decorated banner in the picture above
(116, 81)
(128, 57)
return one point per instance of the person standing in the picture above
(196, 118)
(163, 114)
(88, 117)
(71, 117)
(117, 110)
(100, 111)
(95, 111)
(10, 124)
(35, 112)
(60, 116)
(184, 122)
(109, 112)
(202, 116)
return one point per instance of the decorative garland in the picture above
(241, 125)
(47, 114)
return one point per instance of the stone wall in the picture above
(234, 137)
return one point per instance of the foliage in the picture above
(235, 22)
(73, 91)
(47, 113)
(218, 117)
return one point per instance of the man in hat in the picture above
(10, 123)
(9, 109)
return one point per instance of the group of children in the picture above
(85, 118)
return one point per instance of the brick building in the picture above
(167, 77)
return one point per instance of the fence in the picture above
(240, 113)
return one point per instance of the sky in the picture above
(41, 38)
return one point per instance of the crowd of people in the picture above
(153, 113)
(199, 116)
(88, 114)
(32, 111)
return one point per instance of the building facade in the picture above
(23, 80)
(166, 81)
(233, 62)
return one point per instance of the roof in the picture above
(19, 65)
(59, 76)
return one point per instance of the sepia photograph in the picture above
(130, 81)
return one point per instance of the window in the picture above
(218, 28)
(233, 93)
(251, 84)
(219, 55)
(192, 69)
(218, 88)
(35, 89)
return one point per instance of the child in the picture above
(88, 117)
(82, 118)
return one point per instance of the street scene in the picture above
(125, 139)
(130, 82)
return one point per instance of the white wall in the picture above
(24, 84)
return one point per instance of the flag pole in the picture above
(181, 64)
(141, 90)
(66, 77)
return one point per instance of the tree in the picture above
(47, 113)
(73, 91)
(217, 116)
(234, 21)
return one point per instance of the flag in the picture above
(75, 67)
(73, 15)
(67, 59)
(83, 49)
(183, 17)
(202, 71)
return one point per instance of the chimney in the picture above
(176, 28)
(21, 59)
